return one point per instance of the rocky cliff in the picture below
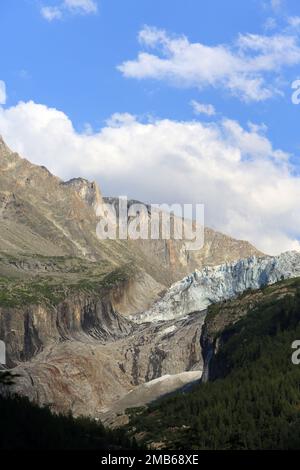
(83, 356)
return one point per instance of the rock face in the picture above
(28, 330)
(218, 248)
(211, 285)
(83, 357)
(89, 192)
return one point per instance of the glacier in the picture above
(198, 290)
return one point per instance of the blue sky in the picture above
(70, 64)
(166, 101)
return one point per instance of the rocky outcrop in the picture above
(30, 329)
(214, 284)
(136, 295)
(86, 369)
(89, 192)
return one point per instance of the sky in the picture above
(169, 101)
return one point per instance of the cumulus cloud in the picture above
(247, 68)
(86, 7)
(249, 189)
(2, 92)
(201, 108)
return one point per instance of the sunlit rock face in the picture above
(214, 284)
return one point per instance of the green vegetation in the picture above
(222, 314)
(26, 426)
(253, 400)
(107, 281)
(15, 293)
(55, 279)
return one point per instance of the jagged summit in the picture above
(88, 191)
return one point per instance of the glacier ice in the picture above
(198, 290)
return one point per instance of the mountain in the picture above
(98, 327)
(67, 345)
(43, 215)
(251, 398)
(66, 297)
(213, 284)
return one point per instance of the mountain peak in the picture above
(88, 191)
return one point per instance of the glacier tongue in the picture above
(214, 284)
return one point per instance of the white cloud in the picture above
(294, 21)
(247, 68)
(84, 7)
(2, 92)
(51, 13)
(201, 108)
(248, 187)
(120, 119)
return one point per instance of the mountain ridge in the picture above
(43, 215)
